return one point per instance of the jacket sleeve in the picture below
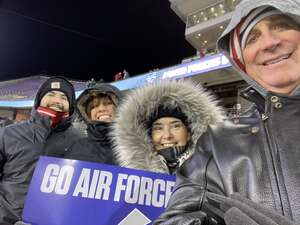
(185, 204)
(2, 150)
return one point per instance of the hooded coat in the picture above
(257, 156)
(133, 145)
(21, 145)
(96, 147)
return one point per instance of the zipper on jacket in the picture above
(272, 149)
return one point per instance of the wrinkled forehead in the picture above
(167, 120)
(55, 93)
(251, 20)
(269, 22)
(275, 19)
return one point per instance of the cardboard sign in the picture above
(65, 192)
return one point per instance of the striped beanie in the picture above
(239, 35)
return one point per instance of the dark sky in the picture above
(95, 38)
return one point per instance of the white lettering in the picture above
(158, 200)
(175, 72)
(64, 180)
(49, 179)
(204, 65)
(169, 187)
(132, 189)
(93, 184)
(57, 179)
(145, 191)
(82, 186)
(98, 188)
(103, 188)
(120, 186)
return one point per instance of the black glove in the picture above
(242, 211)
(191, 218)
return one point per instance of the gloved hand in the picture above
(21, 223)
(242, 211)
(193, 218)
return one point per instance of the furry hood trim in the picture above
(133, 145)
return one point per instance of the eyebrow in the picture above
(58, 93)
(254, 31)
(274, 20)
(173, 122)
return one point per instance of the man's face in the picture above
(104, 110)
(169, 132)
(272, 54)
(55, 100)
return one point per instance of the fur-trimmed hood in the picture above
(133, 145)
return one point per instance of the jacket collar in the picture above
(253, 96)
(99, 132)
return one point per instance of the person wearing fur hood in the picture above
(157, 126)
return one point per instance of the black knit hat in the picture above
(57, 83)
(163, 111)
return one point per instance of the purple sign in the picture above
(64, 191)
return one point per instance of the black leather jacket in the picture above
(258, 156)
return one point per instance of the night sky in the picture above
(85, 39)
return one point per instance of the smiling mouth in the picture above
(276, 60)
(103, 117)
(167, 145)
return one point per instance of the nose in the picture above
(269, 41)
(167, 134)
(55, 100)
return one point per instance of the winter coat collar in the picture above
(99, 132)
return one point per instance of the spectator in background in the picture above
(47, 132)
(97, 106)
(121, 75)
(157, 126)
(259, 155)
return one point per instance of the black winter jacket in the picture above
(20, 147)
(96, 147)
(258, 156)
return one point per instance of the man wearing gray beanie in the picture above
(248, 172)
(47, 132)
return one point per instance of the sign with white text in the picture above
(64, 191)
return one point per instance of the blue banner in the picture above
(72, 192)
